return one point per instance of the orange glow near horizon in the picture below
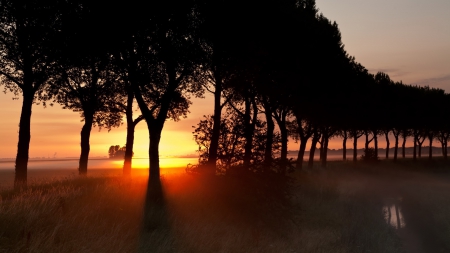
(164, 163)
(55, 132)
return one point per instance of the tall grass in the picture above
(304, 212)
(79, 215)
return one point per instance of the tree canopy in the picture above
(276, 69)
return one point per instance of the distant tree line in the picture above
(117, 152)
(275, 68)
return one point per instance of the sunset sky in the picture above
(407, 39)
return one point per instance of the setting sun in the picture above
(167, 164)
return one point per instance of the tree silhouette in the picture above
(277, 61)
(124, 97)
(117, 152)
(131, 125)
(86, 89)
(355, 134)
(219, 32)
(159, 54)
(232, 142)
(315, 138)
(86, 78)
(112, 151)
(28, 47)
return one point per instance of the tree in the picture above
(245, 105)
(344, 134)
(396, 132)
(86, 78)
(301, 130)
(355, 134)
(315, 138)
(131, 125)
(443, 137)
(86, 89)
(232, 143)
(430, 135)
(327, 133)
(28, 47)
(159, 53)
(386, 135)
(219, 34)
(117, 152)
(405, 133)
(369, 155)
(125, 101)
(112, 151)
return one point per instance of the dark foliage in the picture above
(266, 63)
(370, 155)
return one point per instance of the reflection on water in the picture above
(393, 214)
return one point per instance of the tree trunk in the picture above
(85, 147)
(281, 121)
(153, 153)
(395, 147)
(415, 147)
(322, 143)
(420, 150)
(430, 154)
(386, 134)
(375, 142)
(23, 146)
(127, 163)
(269, 138)
(366, 145)
(344, 147)
(314, 141)
(404, 146)
(214, 145)
(445, 149)
(301, 152)
(284, 144)
(355, 147)
(248, 134)
(444, 145)
(155, 125)
(325, 152)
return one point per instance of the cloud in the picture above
(442, 82)
(392, 72)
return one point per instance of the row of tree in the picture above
(97, 60)
(392, 111)
(265, 62)
(301, 78)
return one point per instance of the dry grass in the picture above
(78, 215)
(306, 212)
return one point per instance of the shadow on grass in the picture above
(156, 235)
(243, 212)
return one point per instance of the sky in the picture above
(407, 39)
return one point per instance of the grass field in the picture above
(338, 209)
